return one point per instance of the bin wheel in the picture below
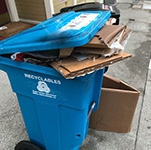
(27, 145)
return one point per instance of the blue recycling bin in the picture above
(55, 110)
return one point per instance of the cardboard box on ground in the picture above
(117, 106)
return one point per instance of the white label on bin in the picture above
(43, 87)
(43, 90)
(80, 21)
(39, 93)
(49, 80)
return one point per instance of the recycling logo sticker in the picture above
(43, 87)
(43, 90)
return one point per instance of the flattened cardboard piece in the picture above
(109, 32)
(103, 52)
(65, 52)
(70, 67)
(108, 35)
(87, 50)
(117, 106)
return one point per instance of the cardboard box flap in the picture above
(113, 83)
(70, 67)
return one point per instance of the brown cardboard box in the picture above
(117, 106)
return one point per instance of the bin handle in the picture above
(91, 108)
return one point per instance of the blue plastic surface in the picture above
(66, 30)
(55, 110)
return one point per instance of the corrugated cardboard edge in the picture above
(107, 35)
(70, 67)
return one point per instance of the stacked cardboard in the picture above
(103, 50)
(118, 99)
(71, 67)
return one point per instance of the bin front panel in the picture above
(55, 109)
(38, 81)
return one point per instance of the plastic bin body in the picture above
(55, 110)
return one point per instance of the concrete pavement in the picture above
(136, 71)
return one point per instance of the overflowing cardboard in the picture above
(104, 49)
(71, 67)
(117, 107)
(109, 36)
(72, 62)
(110, 39)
